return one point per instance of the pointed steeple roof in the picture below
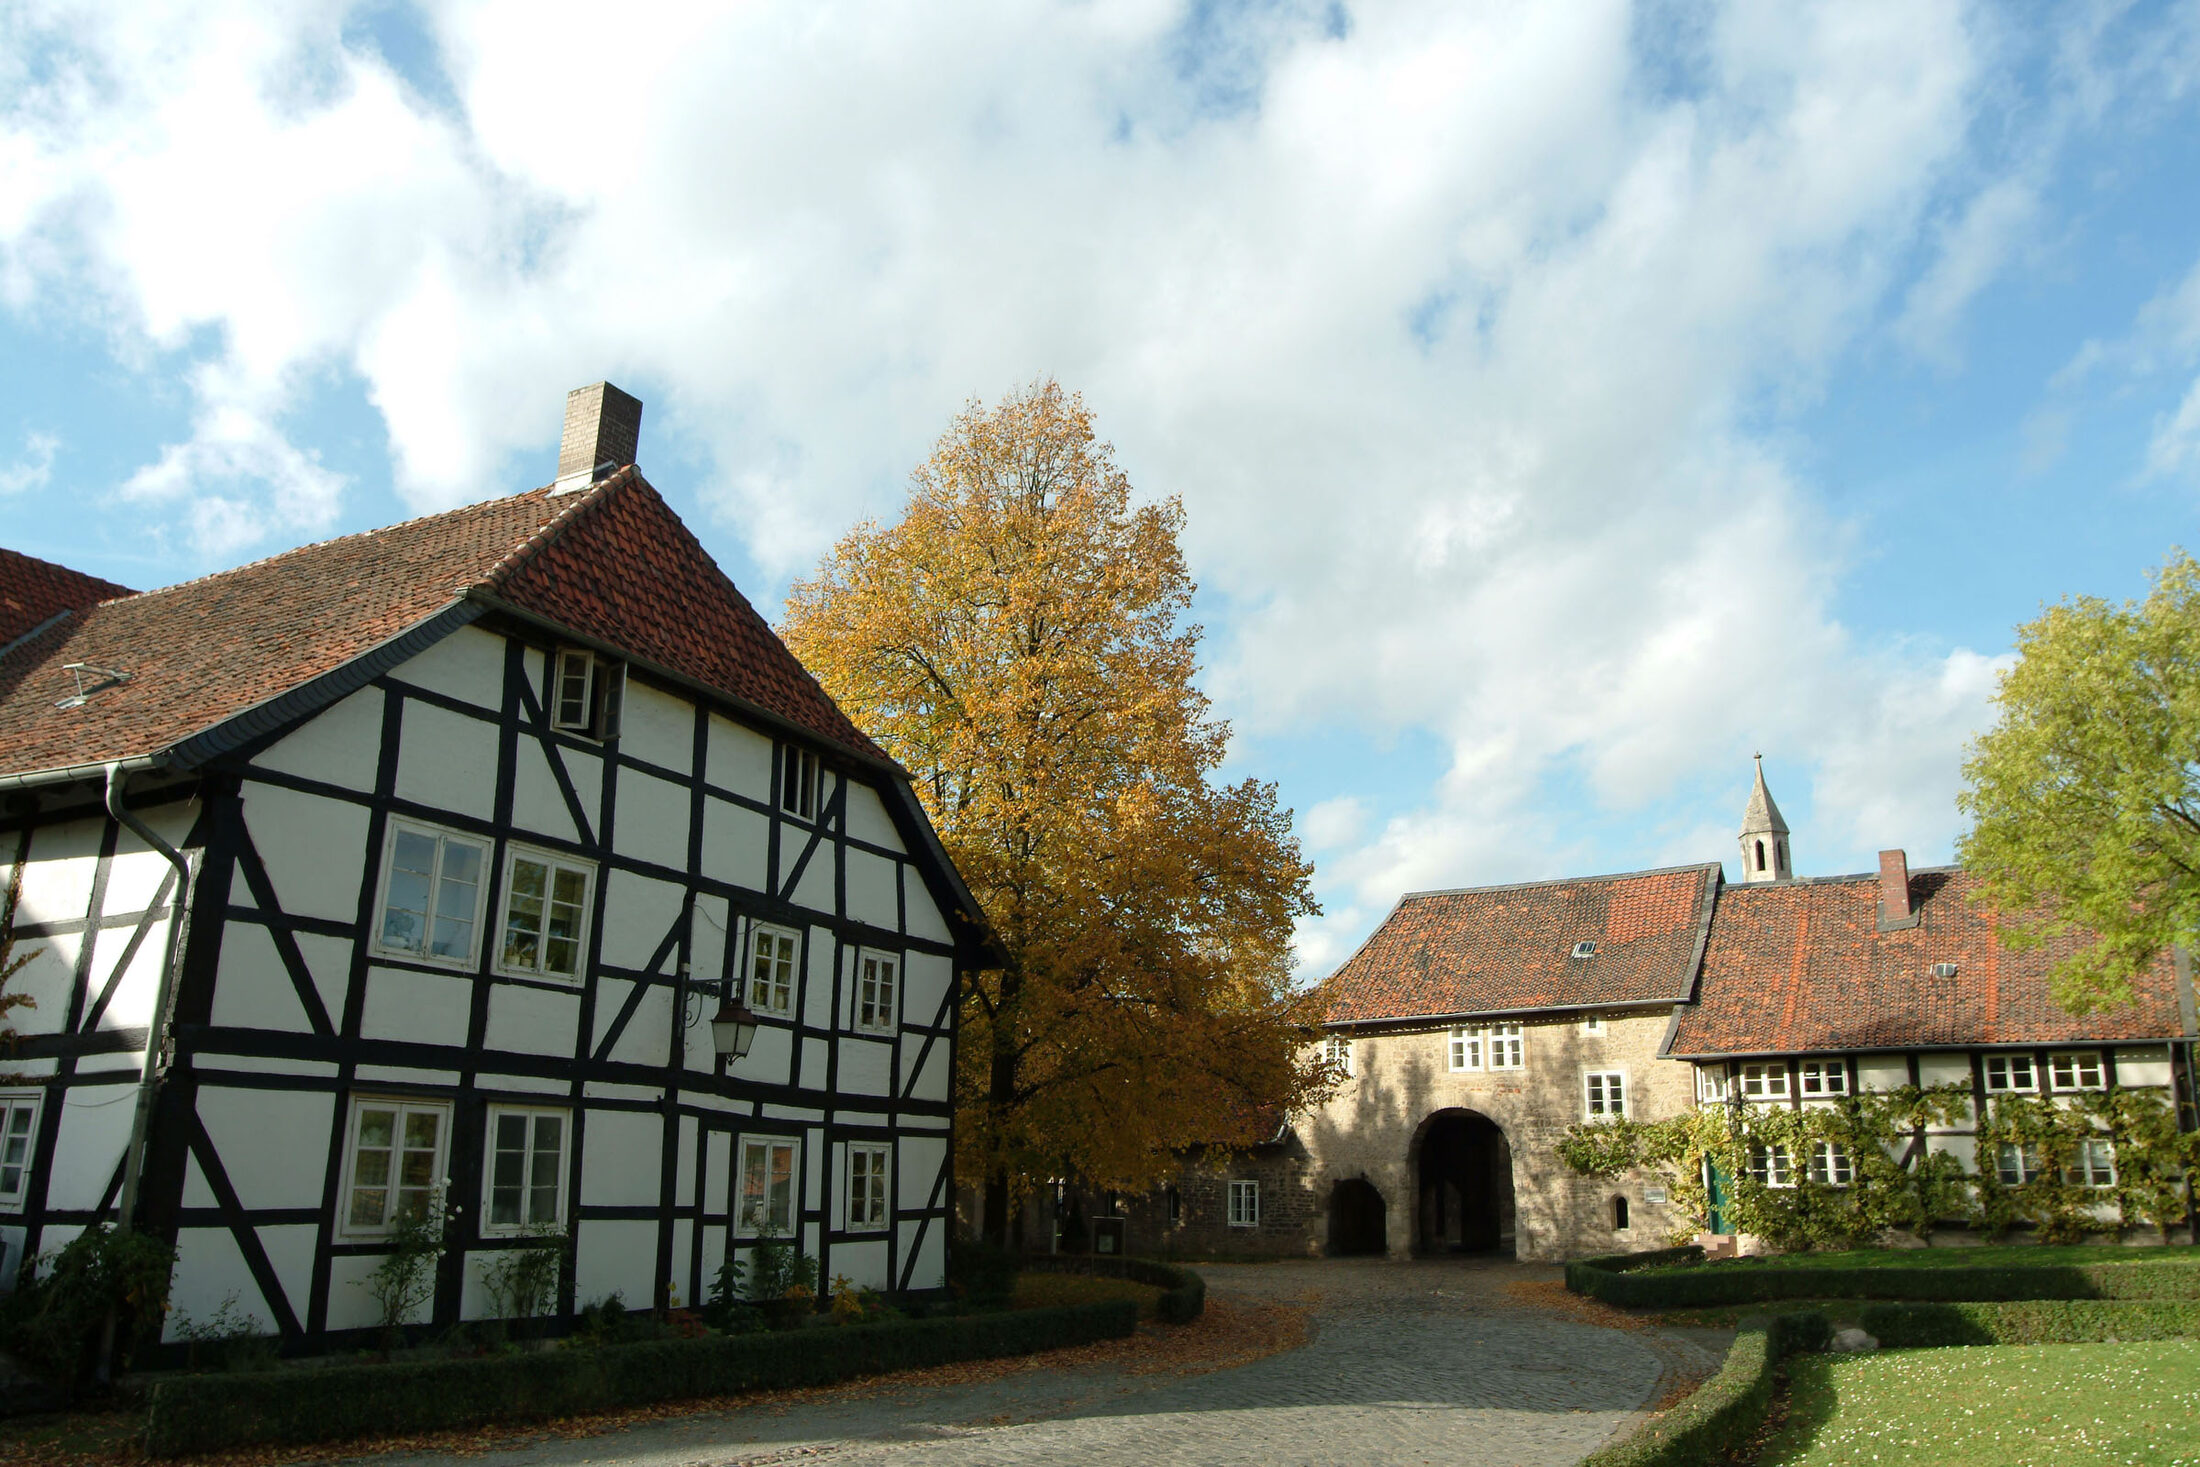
(1763, 816)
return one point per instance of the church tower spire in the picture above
(1764, 836)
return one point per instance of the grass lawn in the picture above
(1037, 1290)
(1984, 1255)
(1995, 1406)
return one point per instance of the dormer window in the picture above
(1585, 949)
(586, 693)
(798, 782)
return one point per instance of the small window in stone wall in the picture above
(1245, 1204)
(1619, 1214)
(1172, 1206)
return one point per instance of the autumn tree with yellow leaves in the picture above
(1019, 642)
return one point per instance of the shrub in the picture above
(1183, 1292)
(54, 1323)
(521, 1280)
(2030, 1322)
(1697, 1288)
(979, 1272)
(1727, 1409)
(210, 1413)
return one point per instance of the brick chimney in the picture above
(1895, 911)
(603, 430)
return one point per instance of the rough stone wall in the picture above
(1401, 1079)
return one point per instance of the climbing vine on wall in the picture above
(1845, 1173)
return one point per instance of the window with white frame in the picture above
(2092, 1164)
(1772, 1165)
(1245, 1204)
(2016, 1164)
(1766, 1081)
(526, 1182)
(431, 893)
(1593, 1026)
(394, 1162)
(868, 1164)
(545, 914)
(1830, 1165)
(798, 782)
(767, 1188)
(1711, 1082)
(1508, 1047)
(772, 952)
(18, 1138)
(1466, 1049)
(878, 977)
(1823, 1077)
(2010, 1074)
(2075, 1069)
(1338, 1051)
(1606, 1092)
(587, 693)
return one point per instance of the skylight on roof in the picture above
(1585, 948)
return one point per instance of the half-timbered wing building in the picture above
(412, 867)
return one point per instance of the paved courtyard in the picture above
(1431, 1361)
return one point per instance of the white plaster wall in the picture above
(341, 745)
(447, 761)
(926, 980)
(815, 889)
(532, 1020)
(924, 919)
(315, 851)
(272, 1143)
(813, 1063)
(135, 874)
(874, 887)
(57, 877)
(1882, 1073)
(657, 728)
(46, 979)
(868, 820)
(537, 803)
(817, 995)
(619, 1159)
(251, 988)
(1944, 1069)
(209, 1269)
(740, 759)
(770, 1060)
(350, 1306)
(917, 1163)
(735, 844)
(2142, 1066)
(423, 1008)
(866, 1067)
(468, 665)
(615, 1258)
(638, 912)
(933, 1076)
(862, 1264)
(930, 1271)
(652, 820)
(647, 1038)
(95, 1126)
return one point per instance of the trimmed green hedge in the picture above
(1635, 1281)
(1727, 1409)
(2032, 1322)
(215, 1412)
(1183, 1292)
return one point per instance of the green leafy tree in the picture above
(2085, 796)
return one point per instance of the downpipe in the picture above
(153, 1069)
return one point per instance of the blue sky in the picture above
(1569, 401)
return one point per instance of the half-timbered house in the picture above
(412, 866)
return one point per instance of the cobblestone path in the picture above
(1429, 1361)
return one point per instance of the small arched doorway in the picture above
(1358, 1221)
(1463, 1185)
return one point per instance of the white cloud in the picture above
(34, 470)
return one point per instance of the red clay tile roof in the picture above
(611, 562)
(1506, 948)
(1795, 966)
(32, 590)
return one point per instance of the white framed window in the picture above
(1245, 1204)
(586, 693)
(1593, 1026)
(869, 1165)
(1508, 1047)
(798, 782)
(1766, 1081)
(525, 1186)
(2010, 1074)
(1772, 1165)
(431, 893)
(393, 1161)
(767, 1188)
(545, 914)
(1830, 1165)
(1823, 1077)
(1711, 1082)
(1466, 1049)
(1606, 1092)
(878, 990)
(2016, 1164)
(1338, 1051)
(772, 955)
(18, 1139)
(2075, 1069)
(2092, 1164)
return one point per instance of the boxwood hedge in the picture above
(1636, 1281)
(1183, 1292)
(212, 1412)
(2030, 1322)
(1727, 1409)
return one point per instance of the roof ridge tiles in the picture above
(585, 503)
(1440, 891)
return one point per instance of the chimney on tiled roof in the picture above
(1895, 911)
(603, 431)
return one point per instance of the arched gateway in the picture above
(1462, 1184)
(1357, 1218)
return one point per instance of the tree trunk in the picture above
(999, 1105)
